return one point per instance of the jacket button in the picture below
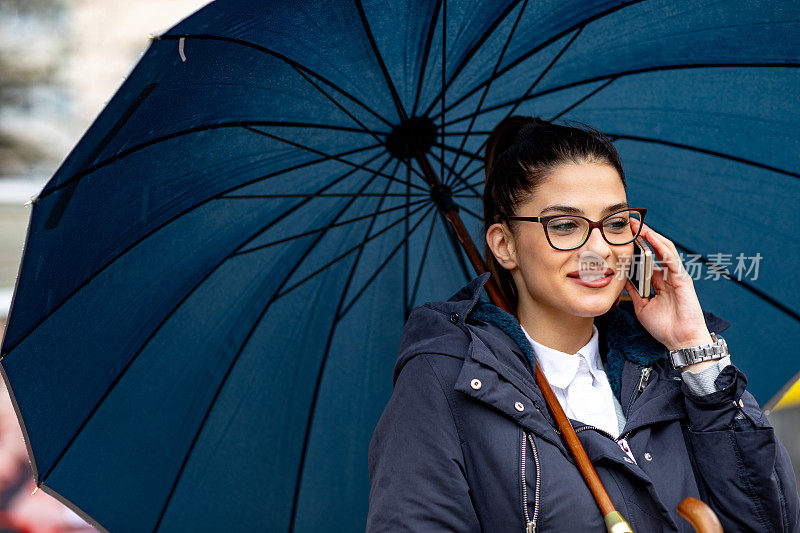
(648, 456)
(476, 384)
(519, 407)
(454, 318)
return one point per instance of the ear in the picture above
(501, 242)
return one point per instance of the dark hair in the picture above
(521, 153)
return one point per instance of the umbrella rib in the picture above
(626, 73)
(533, 86)
(406, 252)
(426, 50)
(337, 224)
(761, 294)
(466, 180)
(421, 265)
(471, 52)
(470, 212)
(345, 254)
(444, 76)
(224, 194)
(401, 112)
(457, 177)
(321, 370)
(540, 47)
(488, 86)
(458, 133)
(283, 58)
(315, 151)
(617, 136)
(322, 231)
(707, 152)
(581, 100)
(319, 380)
(170, 136)
(457, 249)
(340, 106)
(167, 222)
(385, 262)
(476, 157)
(331, 195)
(186, 296)
(234, 360)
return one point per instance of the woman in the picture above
(466, 442)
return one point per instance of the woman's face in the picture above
(544, 272)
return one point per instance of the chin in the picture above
(594, 311)
(594, 305)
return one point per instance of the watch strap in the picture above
(707, 352)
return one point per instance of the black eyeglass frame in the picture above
(592, 224)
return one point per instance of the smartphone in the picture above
(641, 271)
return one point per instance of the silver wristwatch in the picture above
(707, 352)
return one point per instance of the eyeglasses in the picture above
(568, 232)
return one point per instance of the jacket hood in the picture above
(443, 328)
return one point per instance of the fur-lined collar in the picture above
(621, 337)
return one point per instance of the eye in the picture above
(617, 224)
(563, 226)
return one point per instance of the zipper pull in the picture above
(531, 527)
(643, 380)
(623, 443)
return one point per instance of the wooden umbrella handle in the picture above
(700, 516)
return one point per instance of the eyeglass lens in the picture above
(568, 231)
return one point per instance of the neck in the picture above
(554, 328)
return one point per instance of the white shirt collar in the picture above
(561, 367)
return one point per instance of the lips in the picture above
(591, 274)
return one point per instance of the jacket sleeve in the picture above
(745, 471)
(416, 465)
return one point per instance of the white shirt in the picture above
(580, 383)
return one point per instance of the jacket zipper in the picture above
(643, 379)
(530, 523)
(622, 440)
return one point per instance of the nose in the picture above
(597, 244)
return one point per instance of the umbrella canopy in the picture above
(215, 280)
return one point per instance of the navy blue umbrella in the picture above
(215, 280)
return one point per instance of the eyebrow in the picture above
(576, 211)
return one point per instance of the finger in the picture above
(664, 248)
(664, 239)
(635, 298)
(658, 280)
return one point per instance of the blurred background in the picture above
(60, 62)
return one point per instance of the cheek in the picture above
(624, 257)
(625, 254)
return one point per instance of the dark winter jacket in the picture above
(466, 442)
